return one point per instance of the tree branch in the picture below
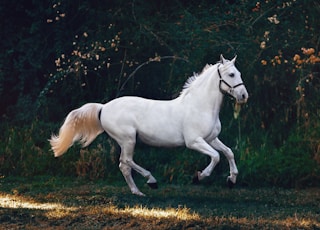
(155, 59)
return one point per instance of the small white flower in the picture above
(274, 19)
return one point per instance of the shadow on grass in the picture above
(75, 204)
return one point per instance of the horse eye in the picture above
(231, 75)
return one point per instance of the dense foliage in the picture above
(58, 55)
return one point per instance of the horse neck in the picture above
(207, 94)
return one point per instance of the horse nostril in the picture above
(243, 96)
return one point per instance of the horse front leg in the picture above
(218, 145)
(202, 146)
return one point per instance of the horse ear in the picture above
(234, 59)
(222, 60)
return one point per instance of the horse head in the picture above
(230, 80)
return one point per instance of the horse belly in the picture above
(160, 124)
(160, 128)
(160, 137)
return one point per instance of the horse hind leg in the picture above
(127, 163)
(126, 167)
(126, 155)
(126, 172)
(152, 182)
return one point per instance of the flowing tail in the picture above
(81, 125)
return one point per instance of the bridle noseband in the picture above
(231, 88)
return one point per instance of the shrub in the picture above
(294, 164)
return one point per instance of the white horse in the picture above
(192, 119)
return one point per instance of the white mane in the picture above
(193, 79)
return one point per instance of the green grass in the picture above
(68, 203)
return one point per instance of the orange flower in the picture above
(311, 51)
(263, 62)
(307, 51)
(313, 59)
(296, 57)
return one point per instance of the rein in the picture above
(231, 88)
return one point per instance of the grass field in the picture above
(66, 203)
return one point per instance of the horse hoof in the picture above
(138, 193)
(153, 185)
(230, 183)
(195, 179)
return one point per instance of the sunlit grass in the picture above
(139, 211)
(282, 223)
(56, 210)
(95, 206)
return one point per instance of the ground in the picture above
(64, 203)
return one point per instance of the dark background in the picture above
(57, 55)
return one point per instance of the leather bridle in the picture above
(231, 88)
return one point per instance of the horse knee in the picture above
(229, 154)
(216, 158)
(125, 169)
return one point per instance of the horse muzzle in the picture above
(241, 95)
